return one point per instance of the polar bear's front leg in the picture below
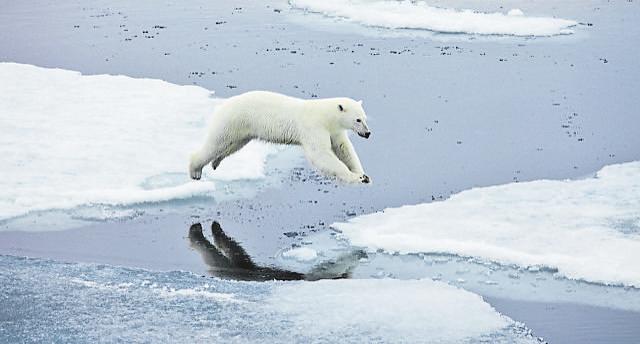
(322, 157)
(342, 147)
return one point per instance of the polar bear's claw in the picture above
(196, 175)
(195, 170)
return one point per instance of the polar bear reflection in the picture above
(227, 259)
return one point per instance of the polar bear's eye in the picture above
(358, 120)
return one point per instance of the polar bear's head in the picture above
(352, 117)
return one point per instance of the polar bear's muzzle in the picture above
(365, 134)
(362, 129)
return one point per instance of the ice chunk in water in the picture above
(419, 15)
(70, 139)
(583, 228)
(302, 254)
(87, 303)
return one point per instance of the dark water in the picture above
(573, 323)
(225, 258)
(451, 113)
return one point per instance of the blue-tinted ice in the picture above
(43, 300)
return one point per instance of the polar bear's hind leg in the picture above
(196, 164)
(212, 151)
(228, 150)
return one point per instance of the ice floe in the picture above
(70, 139)
(301, 254)
(419, 15)
(587, 229)
(420, 309)
(87, 302)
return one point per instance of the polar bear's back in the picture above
(261, 114)
(264, 98)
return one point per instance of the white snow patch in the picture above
(166, 292)
(165, 306)
(419, 15)
(587, 229)
(196, 293)
(515, 12)
(303, 254)
(69, 140)
(414, 310)
(88, 284)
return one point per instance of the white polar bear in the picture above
(319, 126)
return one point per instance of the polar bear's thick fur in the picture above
(319, 126)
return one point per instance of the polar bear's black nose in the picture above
(365, 135)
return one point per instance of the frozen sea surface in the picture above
(419, 15)
(44, 300)
(480, 275)
(475, 111)
(72, 140)
(586, 229)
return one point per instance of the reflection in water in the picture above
(227, 259)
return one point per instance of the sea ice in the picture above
(87, 303)
(70, 139)
(413, 310)
(301, 254)
(418, 15)
(587, 229)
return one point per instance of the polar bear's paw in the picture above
(194, 171)
(195, 174)
(355, 178)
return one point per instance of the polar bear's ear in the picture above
(340, 107)
(360, 102)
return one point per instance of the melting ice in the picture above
(587, 229)
(70, 139)
(48, 300)
(419, 15)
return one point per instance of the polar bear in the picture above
(318, 125)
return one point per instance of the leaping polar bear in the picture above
(318, 125)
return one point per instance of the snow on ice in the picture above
(301, 254)
(70, 139)
(419, 15)
(587, 229)
(88, 302)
